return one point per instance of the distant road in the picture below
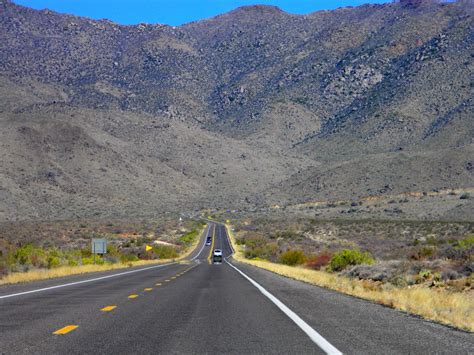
(198, 307)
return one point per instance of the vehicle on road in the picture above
(217, 256)
(208, 241)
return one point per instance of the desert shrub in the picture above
(240, 241)
(254, 241)
(424, 253)
(289, 235)
(378, 272)
(425, 274)
(262, 251)
(72, 262)
(165, 251)
(257, 246)
(292, 257)
(112, 250)
(347, 257)
(319, 261)
(53, 261)
(30, 255)
(467, 243)
(431, 240)
(86, 252)
(450, 275)
(87, 260)
(189, 237)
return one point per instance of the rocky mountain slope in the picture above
(250, 108)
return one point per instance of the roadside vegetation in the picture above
(40, 258)
(425, 268)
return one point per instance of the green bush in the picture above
(466, 243)
(189, 238)
(293, 257)
(87, 261)
(72, 262)
(425, 274)
(29, 255)
(347, 257)
(262, 251)
(424, 253)
(112, 250)
(53, 261)
(165, 251)
(86, 252)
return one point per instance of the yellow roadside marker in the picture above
(132, 296)
(66, 329)
(148, 289)
(108, 308)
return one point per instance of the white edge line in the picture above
(327, 347)
(85, 281)
(203, 244)
(317, 338)
(97, 278)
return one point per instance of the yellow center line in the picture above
(108, 308)
(173, 277)
(158, 284)
(132, 296)
(167, 280)
(66, 329)
(148, 289)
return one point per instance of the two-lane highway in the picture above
(193, 307)
(198, 307)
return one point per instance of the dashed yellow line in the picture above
(148, 289)
(132, 296)
(108, 308)
(158, 284)
(173, 277)
(167, 280)
(66, 329)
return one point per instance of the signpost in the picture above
(99, 246)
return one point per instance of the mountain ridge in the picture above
(243, 110)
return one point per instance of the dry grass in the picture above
(44, 274)
(455, 309)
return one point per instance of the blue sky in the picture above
(175, 12)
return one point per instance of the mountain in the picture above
(247, 109)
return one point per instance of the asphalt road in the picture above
(199, 307)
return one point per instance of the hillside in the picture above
(248, 109)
